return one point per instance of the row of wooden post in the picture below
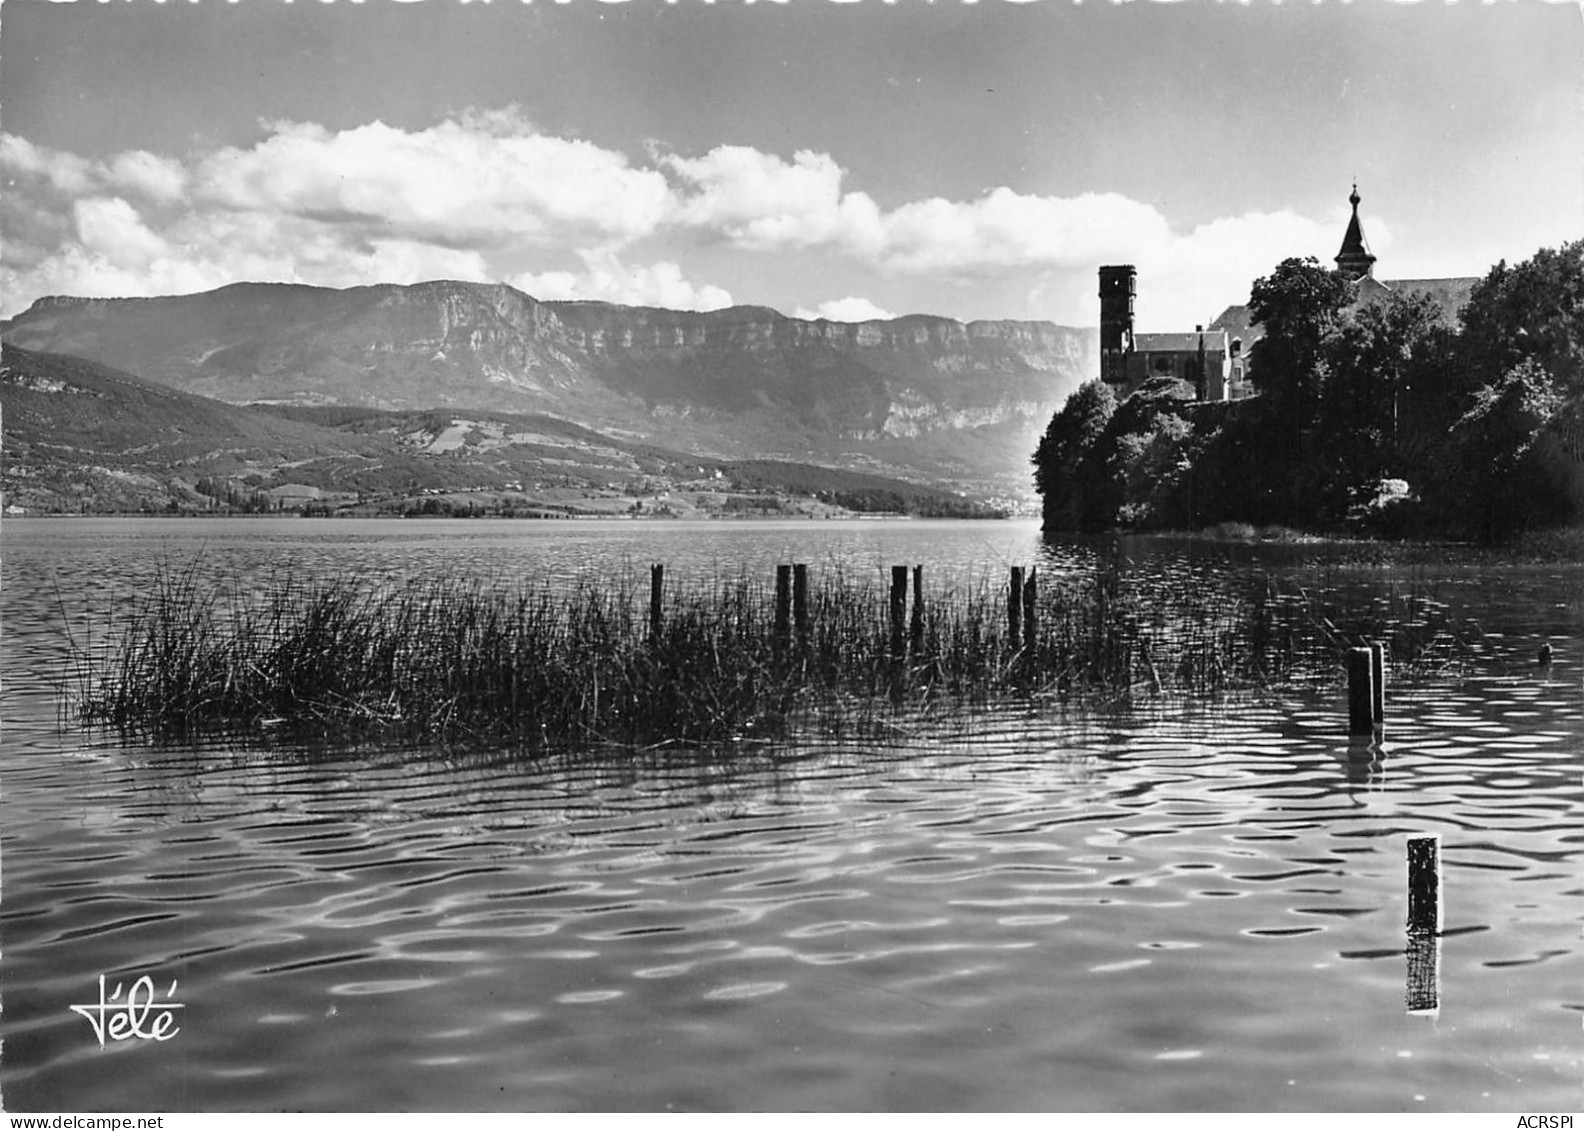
(792, 606)
(1367, 719)
(791, 600)
(1366, 671)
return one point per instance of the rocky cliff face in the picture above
(746, 380)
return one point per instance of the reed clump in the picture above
(459, 661)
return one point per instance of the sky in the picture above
(827, 159)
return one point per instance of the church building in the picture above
(1215, 358)
(1128, 359)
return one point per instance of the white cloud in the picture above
(849, 309)
(466, 196)
(159, 179)
(112, 229)
(117, 254)
(1187, 279)
(759, 202)
(551, 286)
(65, 173)
(1004, 229)
(1190, 279)
(605, 278)
(366, 205)
(483, 181)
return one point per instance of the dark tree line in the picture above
(225, 492)
(1380, 417)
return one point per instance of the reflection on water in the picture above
(1169, 908)
(1423, 994)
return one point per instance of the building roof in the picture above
(1180, 343)
(1449, 294)
(1237, 322)
(1369, 289)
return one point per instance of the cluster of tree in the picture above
(448, 508)
(227, 493)
(737, 504)
(920, 504)
(1379, 416)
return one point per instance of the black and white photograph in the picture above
(639, 556)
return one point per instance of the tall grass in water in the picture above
(463, 661)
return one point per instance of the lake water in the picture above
(1187, 908)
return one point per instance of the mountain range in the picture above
(919, 399)
(81, 437)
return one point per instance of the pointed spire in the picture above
(1355, 260)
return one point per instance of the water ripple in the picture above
(1165, 909)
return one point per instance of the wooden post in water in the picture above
(656, 588)
(1015, 609)
(800, 613)
(1423, 986)
(1424, 883)
(1378, 682)
(1361, 693)
(783, 604)
(916, 624)
(1030, 610)
(899, 588)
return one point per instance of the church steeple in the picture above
(1355, 260)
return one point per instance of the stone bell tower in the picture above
(1118, 285)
